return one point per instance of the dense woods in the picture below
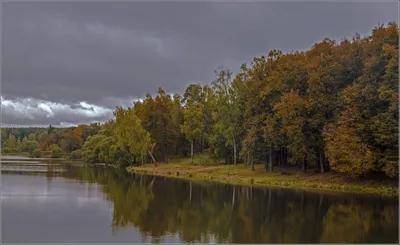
(333, 107)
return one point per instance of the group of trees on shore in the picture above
(333, 107)
(51, 142)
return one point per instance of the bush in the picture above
(36, 153)
(6, 150)
(9, 150)
(29, 146)
(206, 159)
(56, 151)
(75, 155)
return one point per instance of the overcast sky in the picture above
(71, 63)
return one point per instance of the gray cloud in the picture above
(29, 111)
(109, 54)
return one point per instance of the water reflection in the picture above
(197, 212)
(187, 211)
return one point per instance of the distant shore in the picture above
(283, 178)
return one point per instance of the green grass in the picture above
(243, 175)
(23, 154)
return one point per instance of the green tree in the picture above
(90, 150)
(164, 133)
(76, 155)
(28, 146)
(69, 143)
(31, 137)
(12, 142)
(56, 151)
(193, 115)
(227, 114)
(130, 133)
(36, 153)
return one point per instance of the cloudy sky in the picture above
(71, 63)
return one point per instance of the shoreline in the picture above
(294, 179)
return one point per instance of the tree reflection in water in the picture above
(209, 212)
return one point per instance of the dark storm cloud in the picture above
(30, 111)
(109, 54)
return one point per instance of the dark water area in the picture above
(96, 205)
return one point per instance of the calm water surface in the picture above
(106, 205)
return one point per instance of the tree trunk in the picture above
(270, 158)
(304, 165)
(327, 167)
(252, 164)
(234, 151)
(152, 158)
(191, 151)
(202, 144)
(278, 157)
(285, 153)
(266, 161)
(321, 161)
(165, 157)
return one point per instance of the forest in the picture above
(333, 107)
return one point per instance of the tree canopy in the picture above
(332, 107)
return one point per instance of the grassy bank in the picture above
(293, 178)
(22, 154)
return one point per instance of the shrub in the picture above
(56, 151)
(36, 153)
(6, 150)
(75, 155)
(28, 146)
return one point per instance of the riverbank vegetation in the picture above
(287, 177)
(331, 108)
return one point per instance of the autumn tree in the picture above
(193, 115)
(368, 121)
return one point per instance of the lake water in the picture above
(81, 205)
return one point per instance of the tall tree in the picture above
(227, 115)
(193, 115)
(130, 133)
(12, 142)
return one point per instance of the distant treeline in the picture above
(333, 107)
(58, 142)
